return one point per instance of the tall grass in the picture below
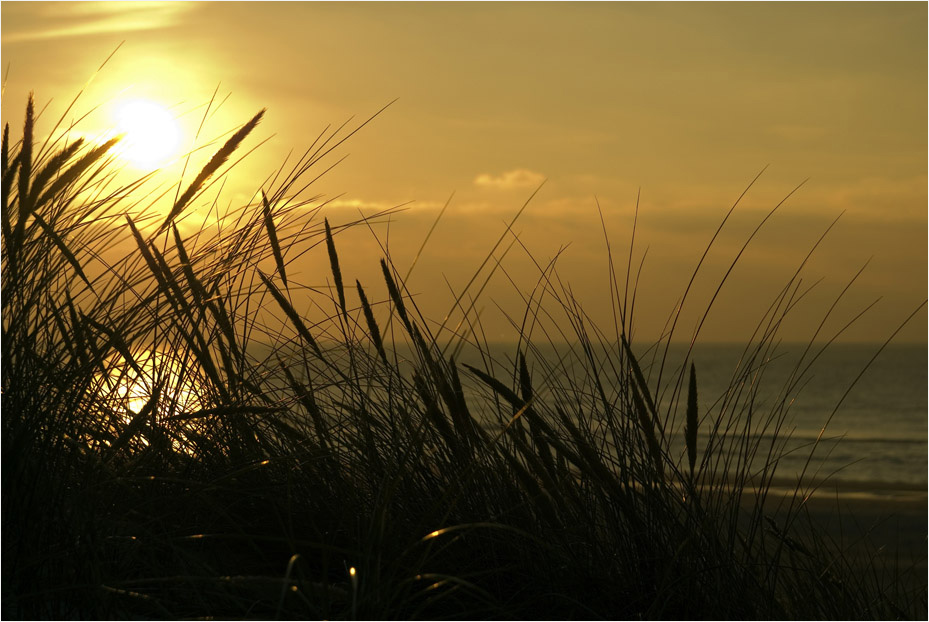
(180, 441)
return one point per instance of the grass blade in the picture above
(136, 425)
(25, 162)
(272, 238)
(57, 241)
(396, 297)
(372, 324)
(218, 159)
(291, 313)
(690, 431)
(76, 170)
(647, 425)
(51, 167)
(5, 150)
(336, 271)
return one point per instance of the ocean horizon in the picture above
(868, 418)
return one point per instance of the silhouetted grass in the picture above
(352, 468)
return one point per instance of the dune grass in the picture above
(180, 441)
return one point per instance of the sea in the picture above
(859, 410)
(871, 412)
(856, 418)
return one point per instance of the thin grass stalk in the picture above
(60, 244)
(464, 290)
(305, 395)
(647, 426)
(193, 283)
(116, 340)
(5, 150)
(640, 381)
(81, 166)
(136, 425)
(373, 329)
(52, 167)
(25, 168)
(169, 286)
(433, 413)
(336, 271)
(693, 422)
(719, 287)
(6, 226)
(272, 238)
(677, 314)
(396, 297)
(218, 159)
(292, 314)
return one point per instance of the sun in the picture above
(151, 135)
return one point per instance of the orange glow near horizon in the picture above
(670, 108)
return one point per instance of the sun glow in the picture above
(127, 389)
(151, 135)
(179, 383)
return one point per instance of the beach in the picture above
(880, 530)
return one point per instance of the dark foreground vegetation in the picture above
(264, 465)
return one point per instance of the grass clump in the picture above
(180, 440)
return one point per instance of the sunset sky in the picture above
(683, 102)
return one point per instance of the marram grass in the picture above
(350, 467)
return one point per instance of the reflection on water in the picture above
(876, 435)
(179, 383)
(127, 387)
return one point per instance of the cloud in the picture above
(363, 205)
(37, 21)
(517, 178)
(900, 200)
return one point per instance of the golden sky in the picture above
(685, 102)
